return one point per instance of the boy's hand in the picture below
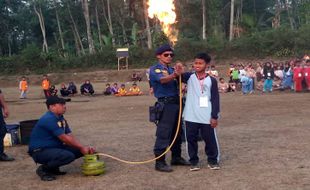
(213, 123)
(179, 68)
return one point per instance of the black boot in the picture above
(56, 171)
(179, 161)
(44, 174)
(4, 157)
(161, 165)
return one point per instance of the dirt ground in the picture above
(264, 141)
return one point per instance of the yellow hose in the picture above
(169, 147)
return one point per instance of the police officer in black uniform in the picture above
(163, 79)
(4, 112)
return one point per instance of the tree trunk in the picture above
(60, 31)
(108, 19)
(289, 15)
(42, 25)
(98, 25)
(9, 46)
(77, 44)
(147, 23)
(88, 29)
(277, 18)
(76, 32)
(231, 20)
(204, 20)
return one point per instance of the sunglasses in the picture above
(168, 54)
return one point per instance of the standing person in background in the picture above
(213, 72)
(298, 76)
(287, 81)
(46, 86)
(23, 87)
(4, 113)
(259, 72)
(307, 74)
(268, 76)
(164, 82)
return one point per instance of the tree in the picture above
(87, 20)
(38, 10)
(147, 23)
(232, 9)
(204, 20)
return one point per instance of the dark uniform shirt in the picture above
(1, 114)
(46, 131)
(169, 89)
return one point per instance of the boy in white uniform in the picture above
(201, 112)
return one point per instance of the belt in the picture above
(169, 100)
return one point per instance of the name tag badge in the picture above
(299, 75)
(269, 74)
(204, 102)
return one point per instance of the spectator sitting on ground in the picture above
(53, 91)
(136, 77)
(135, 90)
(87, 88)
(114, 88)
(260, 85)
(214, 73)
(108, 90)
(72, 88)
(223, 86)
(232, 86)
(122, 91)
(64, 91)
(276, 85)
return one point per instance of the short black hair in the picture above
(203, 56)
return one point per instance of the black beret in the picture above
(54, 100)
(163, 48)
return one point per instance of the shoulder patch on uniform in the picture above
(157, 71)
(59, 124)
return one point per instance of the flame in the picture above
(164, 11)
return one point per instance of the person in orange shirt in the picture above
(23, 87)
(121, 91)
(46, 86)
(135, 90)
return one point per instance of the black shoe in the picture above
(194, 167)
(179, 161)
(4, 157)
(214, 166)
(56, 171)
(162, 167)
(44, 175)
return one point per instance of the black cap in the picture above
(163, 48)
(54, 100)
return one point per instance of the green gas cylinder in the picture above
(92, 166)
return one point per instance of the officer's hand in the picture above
(87, 150)
(213, 123)
(5, 113)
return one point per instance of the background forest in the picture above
(39, 36)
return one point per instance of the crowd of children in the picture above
(71, 90)
(267, 77)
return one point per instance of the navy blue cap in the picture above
(163, 48)
(51, 100)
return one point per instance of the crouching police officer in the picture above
(164, 83)
(52, 143)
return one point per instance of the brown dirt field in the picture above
(264, 142)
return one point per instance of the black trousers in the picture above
(2, 135)
(53, 158)
(166, 129)
(208, 134)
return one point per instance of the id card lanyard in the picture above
(203, 101)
